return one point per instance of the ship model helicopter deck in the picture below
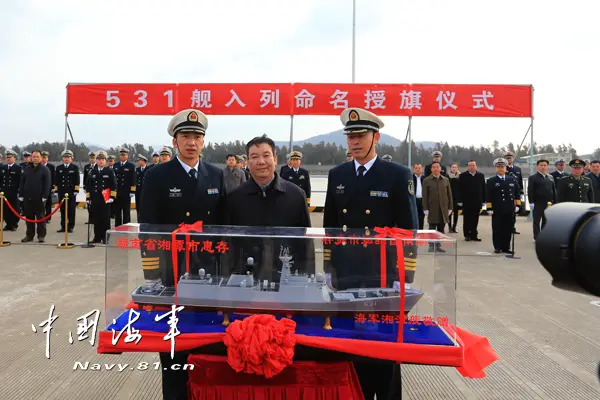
(310, 294)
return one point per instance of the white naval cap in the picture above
(102, 155)
(357, 120)
(500, 161)
(67, 153)
(189, 120)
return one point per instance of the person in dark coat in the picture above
(594, 176)
(541, 193)
(10, 179)
(418, 185)
(455, 187)
(100, 179)
(364, 194)
(33, 192)
(577, 187)
(52, 169)
(502, 198)
(140, 174)
(298, 175)
(126, 183)
(559, 171)
(269, 200)
(86, 171)
(436, 157)
(67, 182)
(472, 199)
(515, 171)
(182, 190)
(287, 166)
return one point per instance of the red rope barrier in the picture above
(36, 221)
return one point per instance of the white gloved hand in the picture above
(522, 198)
(449, 212)
(482, 205)
(516, 209)
(89, 202)
(109, 201)
(531, 207)
(426, 212)
(131, 195)
(459, 204)
(20, 199)
(490, 212)
(44, 200)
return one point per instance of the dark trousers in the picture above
(100, 212)
(138, 205)
(49, 205)
(420, 213)
(454, 217)
(122, 207)
(71, 211)
(376, 379)
(35, 209)
(174, 382)
(539, 216)
(470, 221)
(502, 229)
(11, 219)
(436, 227)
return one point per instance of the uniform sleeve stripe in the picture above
(150, 267)
(150, 258)
(409, 268)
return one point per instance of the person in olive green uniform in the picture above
(575, 188)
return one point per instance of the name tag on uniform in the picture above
(497, 184)
(378, 193)
(105, 176)
(586, 184)
(213, 191)
(511, 184)
(125, 169)
(71, 171)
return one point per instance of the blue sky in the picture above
(552, 45)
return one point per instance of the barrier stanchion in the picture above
(2, 242)
(66, 244)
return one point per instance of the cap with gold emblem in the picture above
(359, 121)
(45, 154)
(436, 153)
(67, 153)
(91, 154)
(295, 155)
(155, 154)
(102, 155)
(560, 161)
(498, 162)
(509, 154)
(166, 151)
(141, 157)
(124, 150)
(190, 120)
(244, 158)
(238, 159)
(110, 158)
(577, 163)
(10, 153)
(26, 154)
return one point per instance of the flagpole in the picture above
(353, 41)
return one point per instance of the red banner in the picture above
(420, 100)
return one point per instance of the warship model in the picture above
(293, 293)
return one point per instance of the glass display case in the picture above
(386, 285)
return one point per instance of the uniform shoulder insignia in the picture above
(411, 187)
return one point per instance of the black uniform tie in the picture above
(193, 174)
(361, 171)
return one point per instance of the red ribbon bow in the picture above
(398, 234)
(183, 228)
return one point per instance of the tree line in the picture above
(322, 153)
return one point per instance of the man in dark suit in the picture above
(541, 193)
(363, 194)
(472, 199)
(183, 190)
(52, 169)
(269, 200)
(436, 157)
(86, 171)
(594, 176)
(286, 166)
(559, 171)
(297, 175)
(418, 185)
(502, 197)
